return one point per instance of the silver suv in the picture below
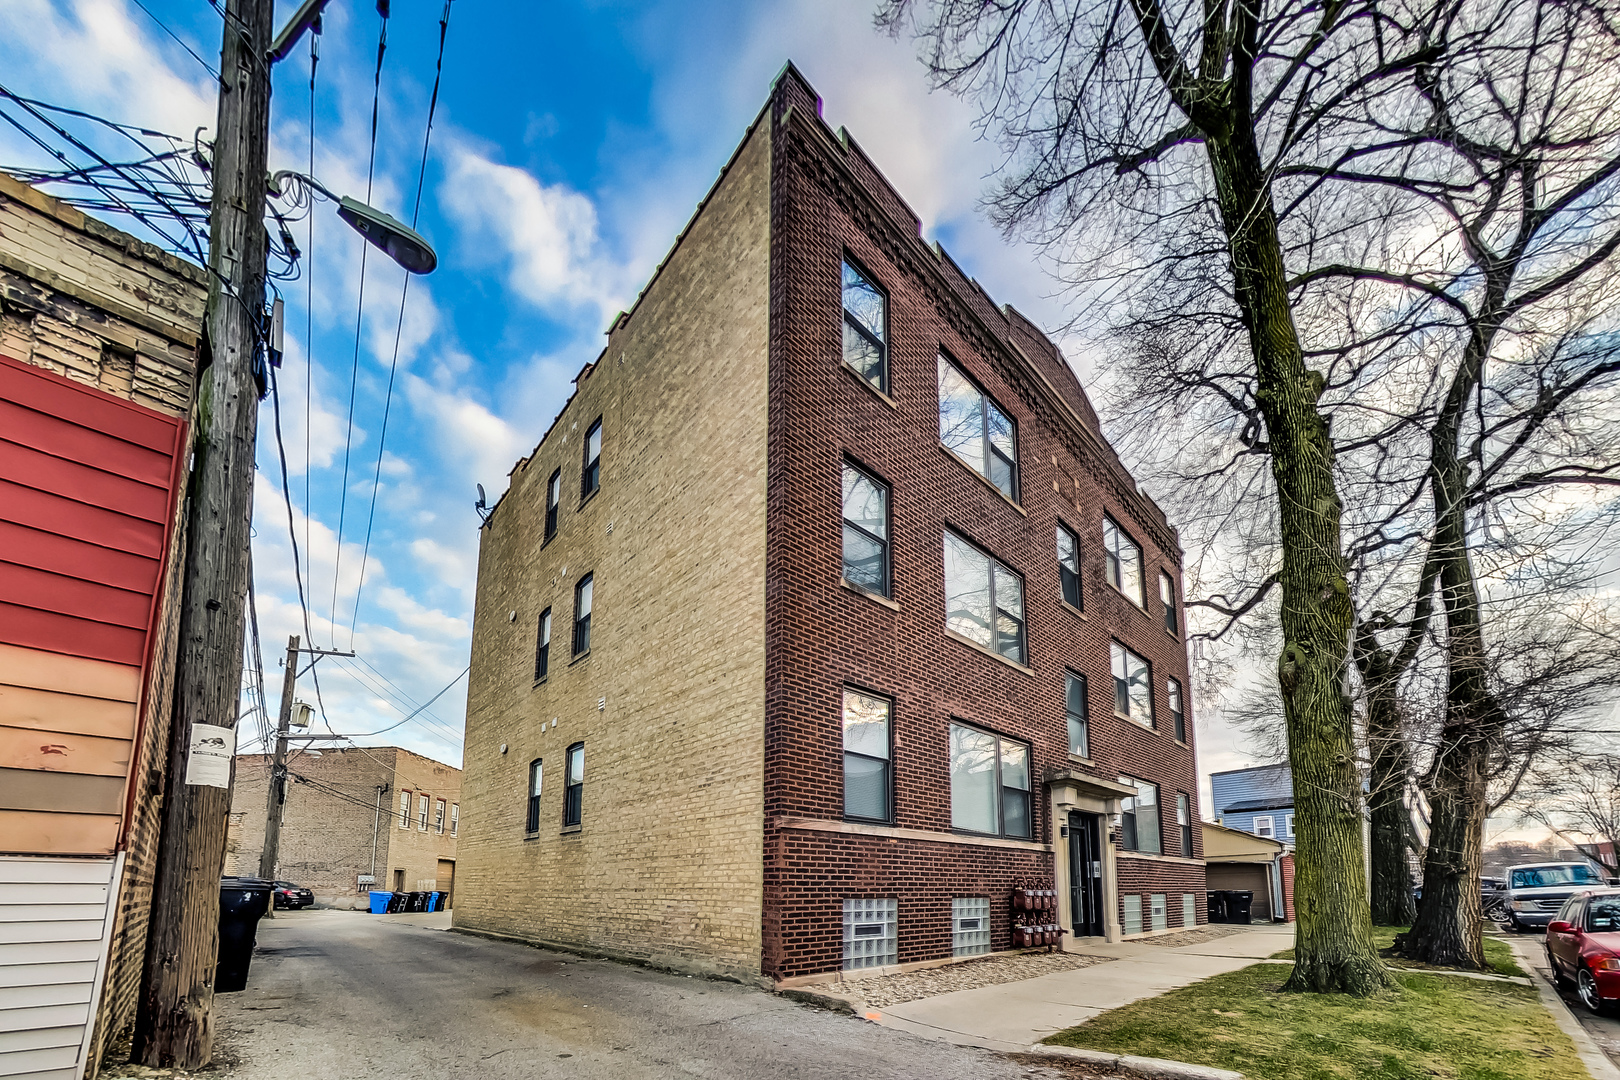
(1535, 891)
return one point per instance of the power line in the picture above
(309, 313)
(399, 326)
(435, 725)
(206, 65)
(430, 701)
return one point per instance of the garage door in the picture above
(1250, 877)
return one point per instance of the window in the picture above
(1189, 910)
(970, 925)
(531, 824)
(1602, 915)
(1159, 911)
(1133, 686)
(421, 813)
(582, 614)
(404, 809)
(866, 756)
(1167, 594)
(1124, 560)
(976, 430)
(1139, 817)
(866, 531)
(866, 328)
(984, 601)
(1074, 696)
(1068, 556)
(1178, 713)
(573, 785)
(989, 783)
(591, 477)
(1263, 827)
(1133, 914)
(1184, 824)
(1288, 825)
(542, 648)
(869, 933)
(455, 818)
(553, 497)
(438, 816)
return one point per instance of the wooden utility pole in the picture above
(175, 1026)
(277, 798)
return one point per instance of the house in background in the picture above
(356, 819)
(99, 338)
(1258, 800)
(1237, 859)
(824, 616)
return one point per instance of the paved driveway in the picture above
(340, 995)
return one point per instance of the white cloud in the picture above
(467, 434)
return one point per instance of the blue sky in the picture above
(572, 141)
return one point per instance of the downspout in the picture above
(376, 825)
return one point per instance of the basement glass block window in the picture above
(1068, 556)
(973, 427)
(1160, 914)
(1189, 910)
(1133, 914)
(866, 328)
(1074, 697)
(866, 756)
(866, 531)
(1133, 686)
(989, 783)
(984, 601)
(1123, 557)
(870, 939)
(970, 925)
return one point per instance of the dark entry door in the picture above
(1085, 874)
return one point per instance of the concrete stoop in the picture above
(1156, 1068)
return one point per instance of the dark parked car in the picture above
(288, 895)
(1583, 947)
(1535, 891)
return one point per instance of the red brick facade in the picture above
(828, 199)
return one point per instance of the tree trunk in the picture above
(1334, 945)
(1392, 903)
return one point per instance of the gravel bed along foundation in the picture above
(1193, 937)
(889, 990)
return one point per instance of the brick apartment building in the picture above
(378, 812)
(823, 616)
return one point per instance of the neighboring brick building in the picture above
(375, 812)
(795, 636)
(99, 335)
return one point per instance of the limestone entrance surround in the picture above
(1072, 789)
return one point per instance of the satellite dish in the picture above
(481, 506)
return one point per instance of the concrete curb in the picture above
(1592, 1056)
(1156, 1068)
(822, 1000)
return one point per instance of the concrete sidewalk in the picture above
(1011, 1016)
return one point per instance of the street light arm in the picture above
(307, 17)
(398, 241)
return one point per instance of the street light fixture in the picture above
(396, 239)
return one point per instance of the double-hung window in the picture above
(1068, 557)
(989, 783)
(1184, 823)
(866, 328)
(867, 763)
(582, 614)
(1133, 686)
(1123, 557)
(1139, 817)
(1265, 827)
(1288, 826)
(984, 600)
(405, 809)
(438, 816)
(553, 499)
(455, 818)
(590, 477)
(421, 813)
(573, 785)
(531, 823)
(974, 428)
(1074, 704)
(542, 648)
(1178, 711)
(866, 531)
(1167, 596)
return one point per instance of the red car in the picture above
(1583, 947)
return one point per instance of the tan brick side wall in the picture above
(327, 837)
(669, 702)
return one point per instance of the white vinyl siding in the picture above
(55, 916)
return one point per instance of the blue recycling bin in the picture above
(379, 902)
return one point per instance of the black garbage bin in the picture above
(242, 903)
(1239, 903)
(397, 902)
(1217, 905)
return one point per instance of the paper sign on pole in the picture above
(209, 763)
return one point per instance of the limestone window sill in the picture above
(1076, 612)
(976, 647)
(883, 601)
(571, 830)
(981, 478)
(879, 394)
